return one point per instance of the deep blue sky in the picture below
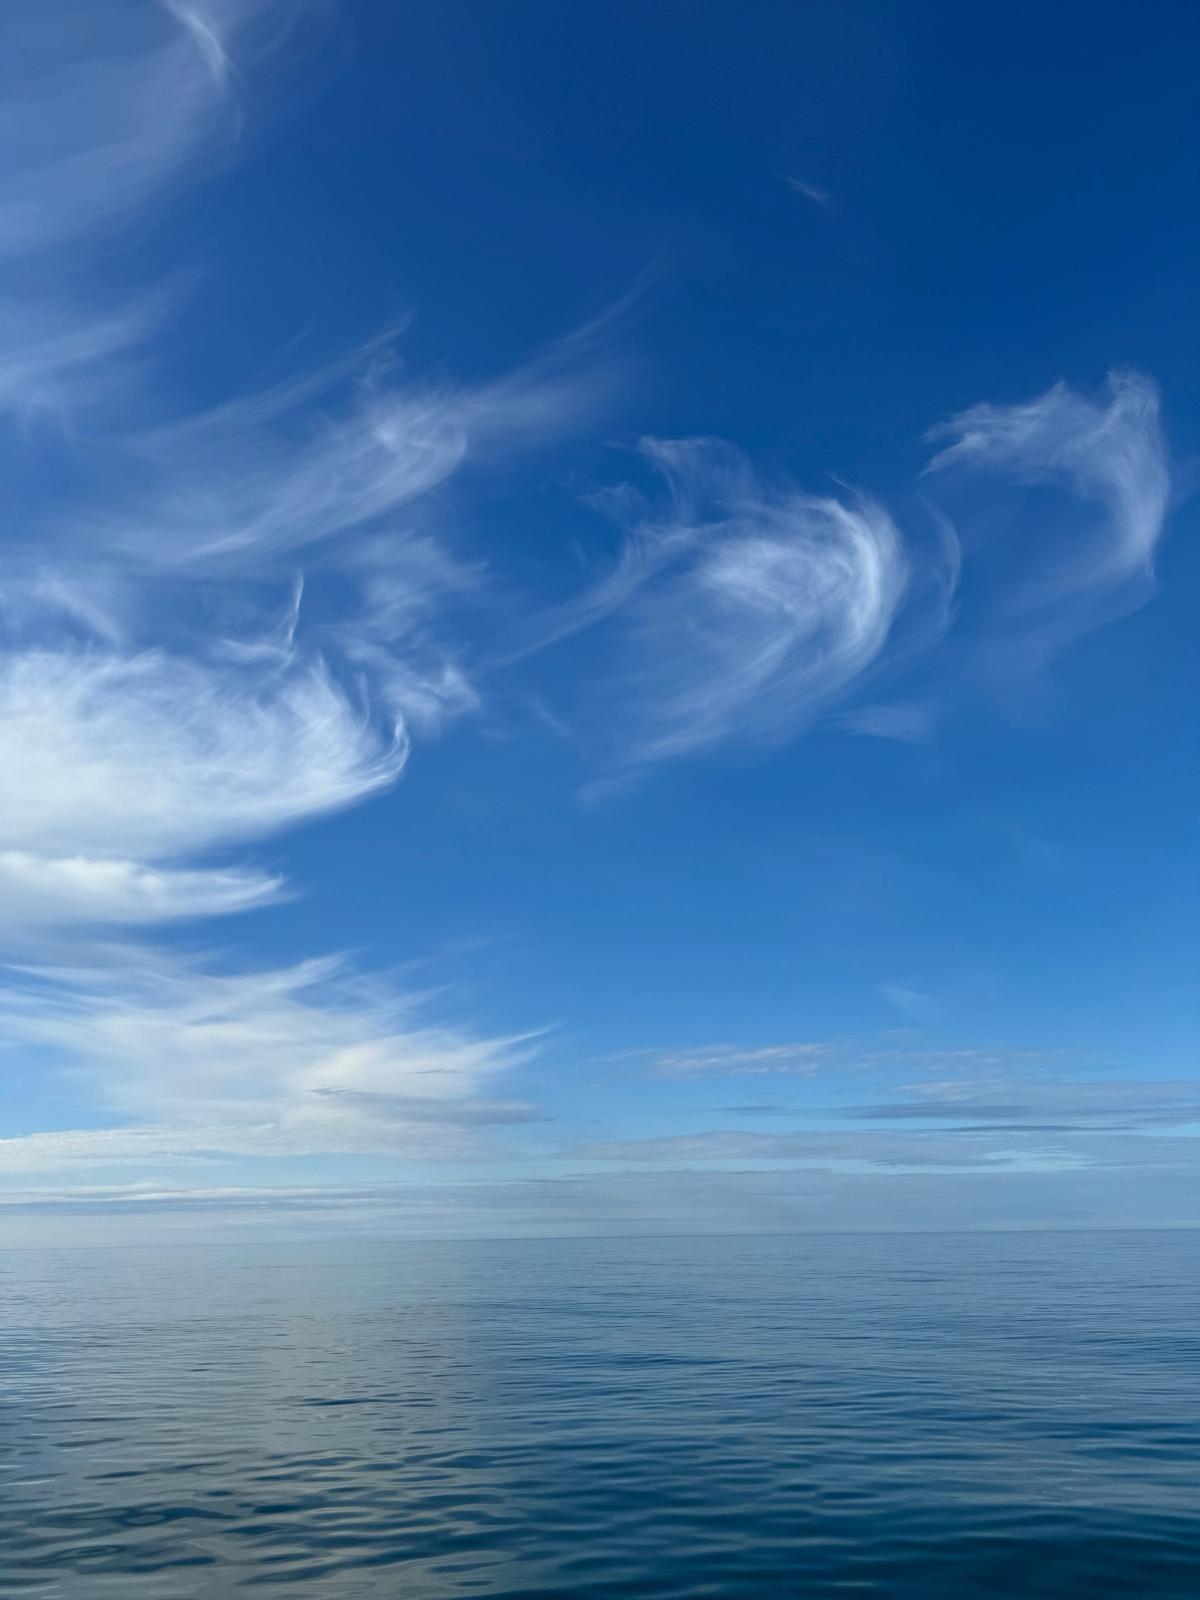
(692, 784)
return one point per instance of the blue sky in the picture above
(597, 618)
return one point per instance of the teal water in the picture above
(911, 1418)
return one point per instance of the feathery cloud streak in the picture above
(114, 754)
(148, 715)
(746, 610)
(742, 1060)
(102, 109)
(330, 452)
(305, 1060)
(810, 191)
(101, 105)
(1109, 454)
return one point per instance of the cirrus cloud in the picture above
(108, 754)
(1108, 454)
(744, 610)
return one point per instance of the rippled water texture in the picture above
(959, 1416)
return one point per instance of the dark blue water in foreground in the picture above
(1003, 1415)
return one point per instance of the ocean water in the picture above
(911, 1418)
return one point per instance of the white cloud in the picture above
(54, 360)
(103, 109)
(101, 104)
(319, 1132)
(144, 756)
(153, 708)
(201, 21)
(1008, 1097)
(912, 1002)
(287, 468)
(330, 451)
(810, 191)
(1109, 453)
(45, 602)
(748, 609)
(909, 722)
(846, 1151)
(304, 1060)
(50, 891)
(741, 1060)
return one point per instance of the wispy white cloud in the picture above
(103, 109)
(277, 471)
(1108, 453)
(910, 1149)
(153, 707)
(49, 602)
(305, 1060)
(904, 997)
(54, 360)
(748, 609)
(149, 755)
(201, 19)
(1012, 1098)
(810, 191)
(329, 451)
(101, 105)
(910, 722)
(1051, 1126)
(119, 767)
(51, 891)
(969, 1060)
(407, 1108)
(969, 1072)
(734, 1060)
(300, 1132)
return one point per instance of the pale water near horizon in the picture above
(918, 1418)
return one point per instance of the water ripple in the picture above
(928, 1419)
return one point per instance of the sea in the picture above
(930, 1417)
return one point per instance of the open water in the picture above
(959, 1416)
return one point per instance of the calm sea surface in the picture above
(1002, 1415)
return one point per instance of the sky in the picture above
(597, 618)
